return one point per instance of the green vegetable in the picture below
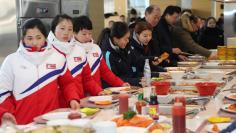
(157, 78)
(89, 111)
(129, 115)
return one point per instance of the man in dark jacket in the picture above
(162, 32)
(152, 16)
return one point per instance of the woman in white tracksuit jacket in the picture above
(29, 78)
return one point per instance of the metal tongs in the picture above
(190, 99)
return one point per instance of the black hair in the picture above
(171, 10)
(118, 30)
(58, 19)
(34, 23)
(149, 9)
(208, 19)
(82, 22)
(194, 18)
(133, 11)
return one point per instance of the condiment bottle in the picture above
(153, 105)
(123, 103)
(178, 118)
(140, 103)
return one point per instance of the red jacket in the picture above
(98, 65)
(78, 66)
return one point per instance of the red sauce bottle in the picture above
(178, 118)
(181, 99)
(123, 103)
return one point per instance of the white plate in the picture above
(220, 125)
(118, 89)
(224, 108)
(58, 115)
(62, 122)
(101, 98)
(231, 98)
(129, 129)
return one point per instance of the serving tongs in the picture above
(191, 99)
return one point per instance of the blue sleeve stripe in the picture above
(96, 63)
(44, 78)
(4, 93)
(107, 59)
(78, 67)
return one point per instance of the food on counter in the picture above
(157, 131)
(216, 119)
(106, 92)
(62, 129)
(74, 115)
(89, 111)
(136, 121)
(103, 102)
(185, 91)
(215, 128)
(191, 75)
(232, 107)
(128, 115)
(159, 128)
(233, 96)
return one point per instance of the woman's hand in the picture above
(8, 117)
(183, 58)
(176, 50)
(74, 105)
(126, 84)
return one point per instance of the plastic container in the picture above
(206, 88)
(162, 88)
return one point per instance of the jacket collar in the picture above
(65, 47)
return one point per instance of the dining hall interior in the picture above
(118, 66)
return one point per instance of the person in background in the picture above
(182, 37)
(152, 17)
(220, 22)
(133, 15)
(29, 78)
(162, 33)
(110, 23)
(122, 18)
(118, 53)
(211, 36)
(60, 36)
(83, 37)
(139, 42)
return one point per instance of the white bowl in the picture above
(176, 75)
(164, 99)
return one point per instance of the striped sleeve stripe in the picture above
(78, 67)
(96, 63)
(44, 78)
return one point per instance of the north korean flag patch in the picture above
(51, 66)
(77, 59)
(95, 55)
